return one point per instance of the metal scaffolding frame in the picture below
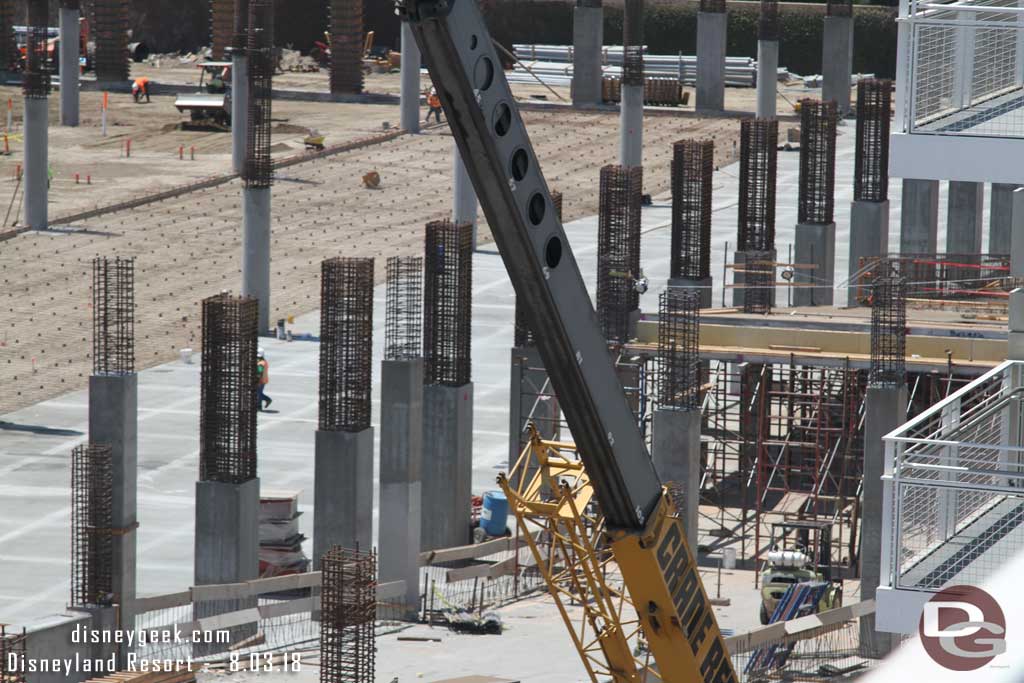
(223, 24)
(888, 329)
(258, 171)
(768, 20)
(403, 308)
(346, 46)
(346, 343)
(693, 162)
(113, 316)
(816, 196)
(348, 604)
(38, 67)
(447, 303)
(228, 389)
(758, 167)
(871, 162)
(758, 281)
(679, 366)
(110, 31)
(92, 520)
(618, 249)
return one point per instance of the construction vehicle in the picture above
(799, 552)
(637, 525)
(212, 103)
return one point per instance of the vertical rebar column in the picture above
(222, 27)
(343, 475)
(12, 655)
(348, 604)
(110, 30)
(815, 244)
(888, 328)
(113, 333)
(756, 215)
(70, 39)
(346, 47)
(693, 162)
(36, 88)
(403, 308)
(759, 277)
(92, 548)
(711, 41)
(767, 59)
(448, 259)
(618, 251)
(8, 45)
(631, 112)
(258, 173)
(837, 54)
(239, 85)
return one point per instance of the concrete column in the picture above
(919, 217)
(1000, 218)
(343, 491)
(464, 202)
(886, 408)
(256, 250)
(532, 398)
(447, 465)
(36, 162)
(401, 455)
(869, 236)
(964, 217)
(631, 126)
(70, 35)
(587, 39)
(239, 108)
(1015, 346)
(227, 532)
(815, 245)
(410, 103)
(767, 78)
(711, 28)
(837, 62)
(113, 420)
(675, 449)
(739, 277)
(702, 288)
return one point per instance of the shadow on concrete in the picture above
(38, 429)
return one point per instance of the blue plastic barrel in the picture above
(494, 513)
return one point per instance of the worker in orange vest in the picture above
(434, 102)
(263, 374)
(139, 88)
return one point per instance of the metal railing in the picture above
(954, 486)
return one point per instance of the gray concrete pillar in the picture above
(1000, 218)
(256, 250)
(739, 258)
(675, 449)
(410, 93)
(239, 108)
(587, 39)
(631, 126)
(401, 456)
(966, 202)
(113, 420)
(767, 78)
(701, 287)
(343, 491)
(837, 62)
(919, 216)
(70, 36)
(37, 122)
(447, 465)
(464, 202)
(711, 32)
(532, 398)
(886, 409)
(869, 237)
(1015, 346)
(814, 246)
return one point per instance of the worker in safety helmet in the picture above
(263, 376)
(140, 88)
(434, 102)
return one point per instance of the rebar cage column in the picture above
(8, 45)
(110, 29)
(679, 367)
(113, 316)
(447, 299)
(38, 68)
(768, 20)
(633, 41)
(692, 166)
(888, 328)
(618, 250)
(223, 24)
(871, 162)
(227, 413)
(403, 308)
(758, 168)
(346, 46)
(258, 171)
(759, 278)
(348, 605)
(92, 545)
(346, 348)
(12, 655)
(815, 201)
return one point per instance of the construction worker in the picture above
(263, 373)
(434, 102)
(139, 88)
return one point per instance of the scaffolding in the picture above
(346, 46)
(815, 196)
(692, 165)
(758, 165)
(888, 330)
(943, 280)
(110, 31)
(871, 162)
(258, 171)
(38, 67)
(113, 316)
(92, 520)
(346, 343)
(403, 308)
(348, 604)
(679, 366)
(447, 309)
(12, 655)
(618, 249)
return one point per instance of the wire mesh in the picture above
(240, 24)
(258, 171)
(8, 44)
(815, 199)
(12, 655)
(768, 20)
(679, 366)
(38, 67)
(618, 249)
(888, 329)
(110, 30)
(447, 311)
(839, 8)
(759, 282)
(222, 27)
(871, 161)
(113, 316)
(692, 165)
(346, 343)
(346, 46)
(348, 610)
(403, 308)
(227, 412)
(92, 519)
(633, 40)
(758, 165)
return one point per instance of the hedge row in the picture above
(672, 29)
